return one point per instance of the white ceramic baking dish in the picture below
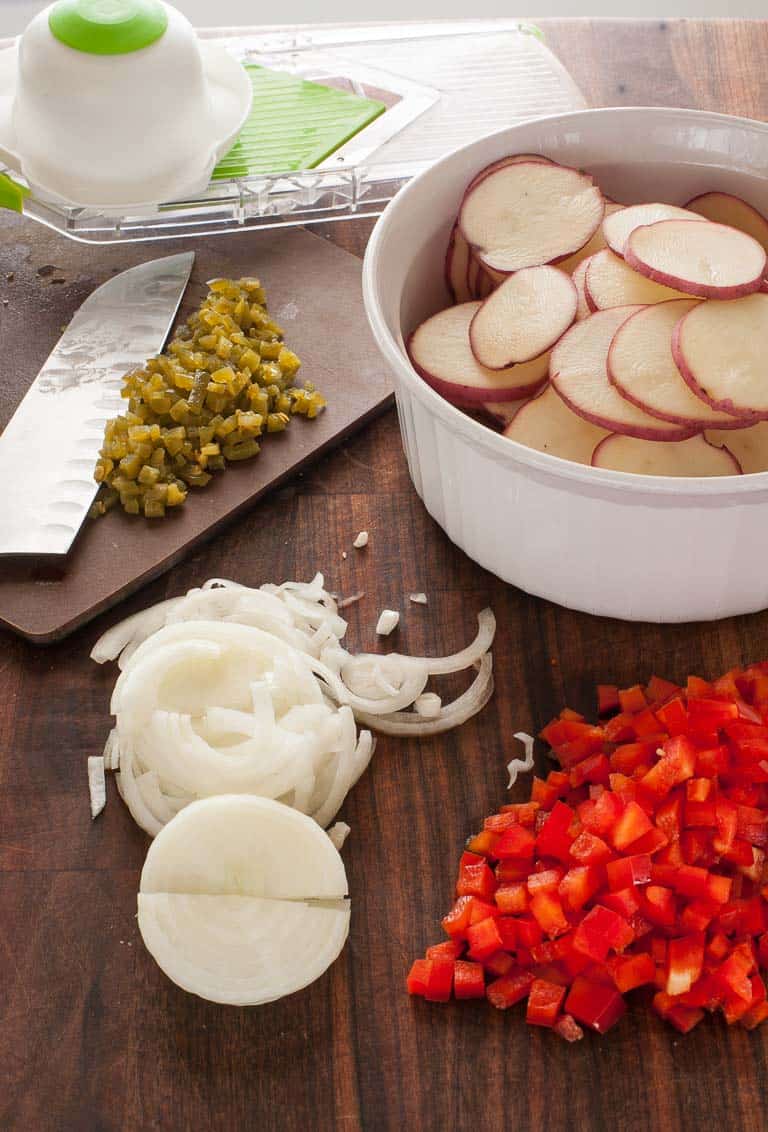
(642, 548)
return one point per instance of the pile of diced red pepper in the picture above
(640, 862)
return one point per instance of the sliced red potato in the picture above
(693, 457)
(619, 225)
(724, 208)
(698, 257)
(594, 244)
(524, 317)
(579, 373)
(512, 159)
(749, 446)
(473, 276)
(721, 349)
(641, 366)
(440, 353)
(530, 213)
(504, 412)
(456, 266)
(583, 309)
(548, 425)
(610, 282)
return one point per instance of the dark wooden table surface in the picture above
(94, 1038)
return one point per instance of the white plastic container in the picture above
(641, 548)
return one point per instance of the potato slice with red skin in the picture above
(692, 457)
(440, 353)
(721, 349)
(504, 412)
(594, 244)
(524, 317)
(748, 445)
(548, 425)
(641, 366)
(698, 257)
(579, 373)
(512, 159)
(456, 266)
(583, 309)
(618, 225)
(530, 213)
(611, 282)
(724, 208)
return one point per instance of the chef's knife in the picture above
(49, 448)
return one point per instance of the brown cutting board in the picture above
(313, 290)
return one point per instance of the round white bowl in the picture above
(640, 548)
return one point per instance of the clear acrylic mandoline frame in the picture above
(443, 83)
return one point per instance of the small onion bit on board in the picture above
(97, 784)
(516, 765)
(230, 689)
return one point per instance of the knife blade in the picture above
(49, 448)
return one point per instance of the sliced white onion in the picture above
(97, 784)
(339, 833)
(451, 715)
(515, 766)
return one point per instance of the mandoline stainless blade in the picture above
(49, 448)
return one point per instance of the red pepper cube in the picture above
(692, 881)
(633, 823)
(673, 717)
(713, 761)
(601, 815)
(683, 1018)
(512, 871)
(601, 931)
(752, 825)
(543, 793)
(595, 768)
(629, 756)
(476, 880)
(630, 971)
(479, 910)
(506, 991)
(553, 839)
(698, 789)
(546, 880)
(597, 1005)
(677, 764)
(544, 1002)
(588, 849)
(762, 951)
(658, 905)
(650, 843)
(482, 843)
(512, 898)
(498, 964)
(685, 959)
(754, 1017)
(732, 977)
(567, 1028)
(507, 929)
(660, 689)
(457, 921)
(698, 915)
(700, 815)
(418, 977)
(628, 871)
(440, 980)
(548, 913)
(517, 843)
(632, 700)
(740, 853)
(620, 729)
(707, 716)
(607, 699)
(468, 980)
(484, 939)
(579, 885)
(626, 902)
(498, 823)
(646, 723)
(668, 815)
(529, 933)
(450, 949)
(696, 847)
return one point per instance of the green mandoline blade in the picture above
(294, 124)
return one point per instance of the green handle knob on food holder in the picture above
(12, 194)
(107, 27)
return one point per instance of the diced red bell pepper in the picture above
(588, 849)
(497, 823)
(476, 880)
(677, 764)
(595, 768)
(567, 1028)
(597, 1005)
(651, 842)
(468, 980)
(512, 871)
(482, 843)
(762, 951)
(633, 823)
(512, 988)
(713, 760)
(707, 716)
(418, 977)
(732, 976)
(658, 905)
(629, 756)
(673, 717)
(628, 871)
(512, 898)
(620, 729)
(668, 816)
(529, 933)
(517, 843)
(683, 1018)
(695, 686)
(579, 885)
(569, 713)
(626, 902)
(544, 1002)
(458, 919)
(699, 914)
(698, 789)
(696, 847)
(548, 912)
(630, 971)
(632, 700)
(522, 812)
(660, 689)
(543, 881)
(754, 1017)
(602, 930)
(480, 910)
(700, 815)
(450, 948)
(740, 853)
(507, 929)
(484, 939)
(601, 814)
(440, 980)
(752, 825)
(607, 699)
(544, 794)
(553, 839)
(685, 959)
(498, 964)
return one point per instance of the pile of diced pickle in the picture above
(224, 380)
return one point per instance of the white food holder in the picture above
(640, 548)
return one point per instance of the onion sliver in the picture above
(451, 715)
(515, 766)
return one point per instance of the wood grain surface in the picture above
(94, 1038)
